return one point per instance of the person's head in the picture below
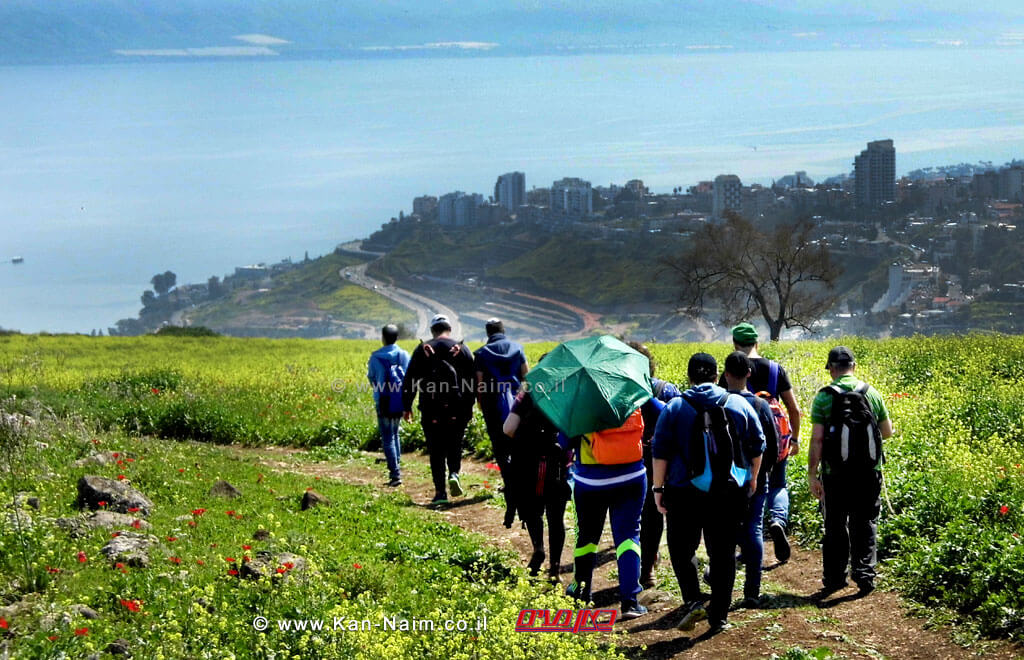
(701, 369)
(840, 361)
(643, 350)
(440, 325)
(494, 327)
(744, 337)
(389, 334)
(737, 370)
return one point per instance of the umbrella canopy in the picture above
(590, 384)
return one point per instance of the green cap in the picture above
(744, 334)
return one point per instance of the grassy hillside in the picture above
(954, 471)
(309, 291)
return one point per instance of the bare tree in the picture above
(743, 272)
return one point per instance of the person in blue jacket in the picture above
(381, 374)
(696, 497)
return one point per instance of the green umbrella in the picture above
(590, 384)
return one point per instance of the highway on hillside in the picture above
(425, 308)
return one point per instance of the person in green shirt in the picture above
(846, 447)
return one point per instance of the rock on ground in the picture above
(224, 489)
(311, 498)
(130, 548)
(265, 564)
(118, 496)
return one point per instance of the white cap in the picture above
(440, 319)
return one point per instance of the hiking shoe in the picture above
(395, 483)
(750, 603)
(695, 612)
(439, 499)
(536, 561)
(632, 610)
(778, 534)
(864, 587)
(717, 626)
(647, 581)
(510, 517)
(829, 587)
(454, 486)
(575, 591)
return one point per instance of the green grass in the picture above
(370, 556)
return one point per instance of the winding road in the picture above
(425, 308)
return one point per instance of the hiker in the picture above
(616, 489)
(737, 371)
(849, 421)
(441, 372)
(707, 452)
(652, 523)
(386, 370)
(500, 368)
(769, 376)
(538, 480)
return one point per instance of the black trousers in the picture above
(852, 505)
(444, 435)
(652, 524)
(719, 516)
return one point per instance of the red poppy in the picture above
(232, 572)
(1003, 510)
(114, 535)
(130, 460)
(82, 558)
(116, 454)
(229, 560)
(133, 509)
(230, 512)
(282, 570)
(119, 566)
(191, 523)
(102, 503)
(81, 632)
(174, 560)
(3, 623)
(155, 390)
(238, 516)
(181, 469)
(120, 477)
(120, 463)
(246, 547)
(137, 524)
(492, 466)
(172, 539)
(52, 638)
(201, 562)
(289, 565)
(357, 566)
(1016, 535)
(131, 605)
(198, 512)
(245, 559)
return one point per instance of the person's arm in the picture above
(814, 459)
(409, 384)
(524, 368)
(511, 424)
(755, 470)
(793, 411)
(480, 389)
(755, 433)
(658, 477)
(886, 428)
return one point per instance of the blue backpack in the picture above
(714, 456)
(506, 383)
(390, 402)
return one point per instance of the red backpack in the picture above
(783, 430)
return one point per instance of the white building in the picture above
(510, 191)
(572, 197)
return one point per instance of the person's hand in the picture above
(407, 415)
(657, 502)
(752, 488)
(455, 350)
(817, 489)
(428, 350)
(794, 447)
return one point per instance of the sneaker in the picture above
(717, 626)
(536, 561)
(632, 610)
(454, 486)
(778, 534)
(647, 581)
(695, 612)
(439, 499)
(751, 603)
(829, 587)
(575, 591)
(864, 587)
(510, 517)
(395, 483)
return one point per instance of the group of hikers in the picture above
(706, 460)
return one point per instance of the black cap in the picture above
(840, 356)
(737, 364)
(702, 368)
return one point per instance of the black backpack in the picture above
(852, 440)
(441, 386)
(713, 427)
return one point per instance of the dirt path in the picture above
(876, 626)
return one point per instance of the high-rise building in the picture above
(572, 197)
(510, 190)
(727, 195)
(875, 174)
(423, 206)
(458, 209)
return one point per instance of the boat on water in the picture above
(18, 260)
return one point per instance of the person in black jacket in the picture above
(441, 372)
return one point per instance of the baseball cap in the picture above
(840, 355)
(744, 334)
(702, 368)
(440, 319)
(494, 320)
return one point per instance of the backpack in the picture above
(783, 430)
(852, 439)
(714, 455)
(389, 403)
(506, 385)
(442, 387)
(615, 446)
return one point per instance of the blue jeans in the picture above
(778, 496)
(391, 445)
(752, 543)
